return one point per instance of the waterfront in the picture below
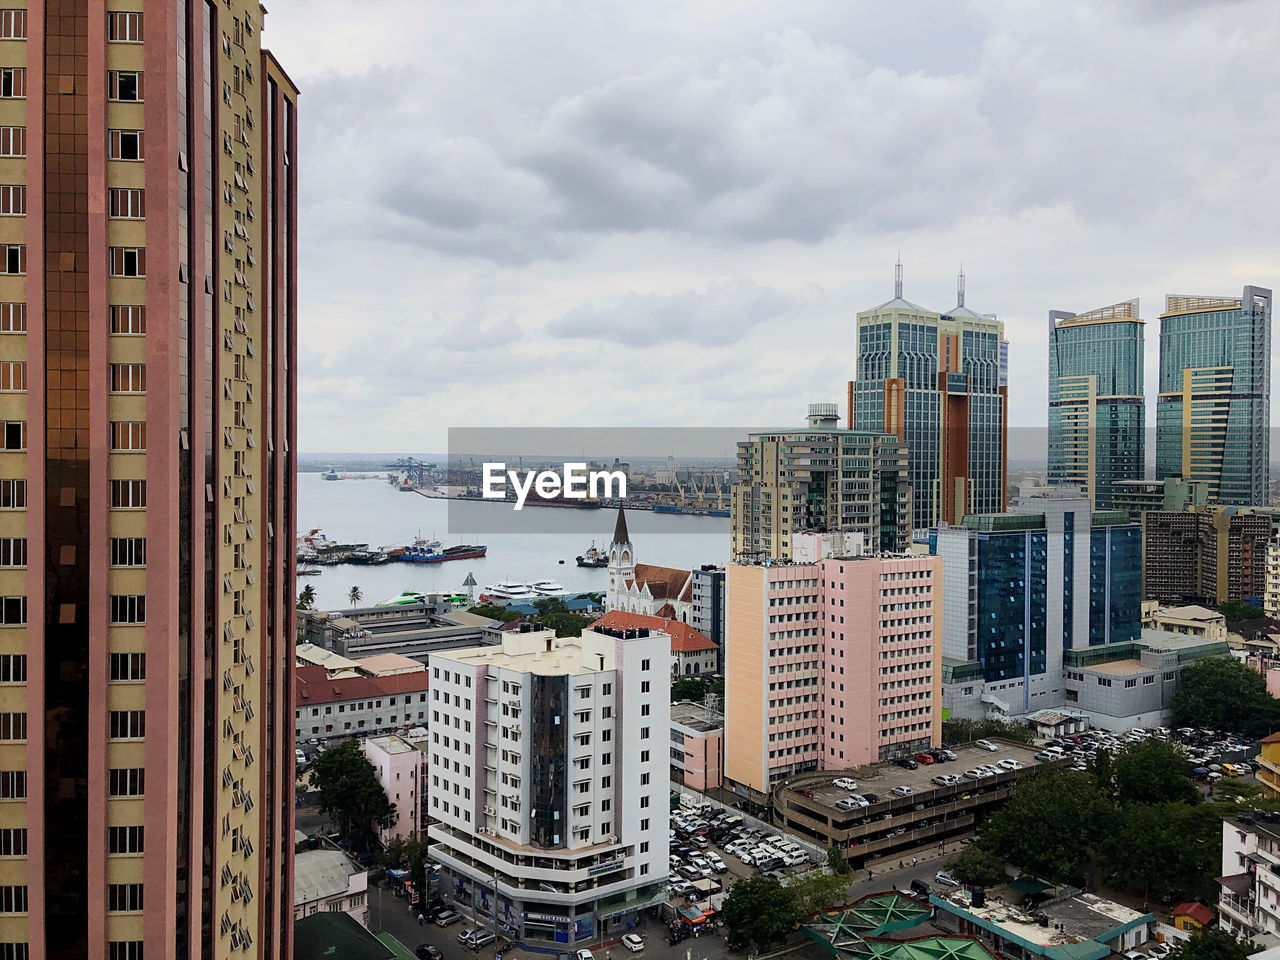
(373, 512)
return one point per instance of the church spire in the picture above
(620, 528)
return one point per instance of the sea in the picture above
(529, 548)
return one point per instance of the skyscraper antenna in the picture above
(897, 277)
(960, 286)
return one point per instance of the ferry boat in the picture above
(548, 588)
(593, 557)
(331, 475)
(510, 590)
(407, 597)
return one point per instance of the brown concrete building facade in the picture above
(1206, 555)
(147, 331)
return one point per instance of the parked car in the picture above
(794, 859)
(871, 797)
(859, 800)
(448, 917)
(942, 780)
(950, 754)
(633, 942)
(426, 951)
(986, 745)
(907, 763)
(921, 888)
(1010, 764)
(901, 791)
(946, 879)
(1043, 756)
(976, 774)
(746, 857)
(690, 871)
(584, 955)
(925, 758)
(467, 934)
(481, 938)
(718, 865)
(844, 783)
(770, 863)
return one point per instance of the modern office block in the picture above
(1214, 412)
(1096, 408)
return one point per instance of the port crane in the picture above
(413, 468)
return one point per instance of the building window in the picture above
(13, 726)
(128, 261)
(13, 26)
(128, 551)
(124, 377)
(124, 897)
(13, 784)
(124, 27)
(125, 949)
(126, 203)
(124, 839)
(125, 494)
(128, 608)
(128, 666)
(128, 435)
(13, 141)
(13, 611)
(13, 199)
(13, 899)
(13, 843)
(13, 318)
(13, 668)
(13, 258)
(13, 376)
(13, 551)
(15, 434)
(123, 144)
(129, 320)
(125, 782)
(124, 85)
(126, 725)
(13, 82)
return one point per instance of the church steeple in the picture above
(622, 563)
(620, 528)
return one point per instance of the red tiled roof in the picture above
(684, 639)
(1196, 911)
(1274, 738)
(665, 583)
(314, 686)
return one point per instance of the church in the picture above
(644, 588)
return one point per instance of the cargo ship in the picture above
(432, 551)
(689, 511)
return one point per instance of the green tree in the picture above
(1237, 610)
(1239, 792)
(1102, 768)
(494, 612)
(549, 605)
(351, 795)
(836, 860)
(1153, 771)
(399, 852)
(418, 877)
(815, 892)
(307, 598)
(688, 688)
(759, 910)
(1168, 850)
(354, 596)
(566, 624)
(1221, 693)
(961, 730)
(1049, 823)
(1214, 945)
(977, 866)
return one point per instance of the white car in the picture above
(718, 865)
(747, 857)
(976, 774)
(858, 800)
(901, 791)
(986, 745)
(794, 859)
(633, 942)
(585, 955)
(844, 783)
(1010, 764)
(946, 879)
(990, 769)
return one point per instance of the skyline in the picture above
(544, 197)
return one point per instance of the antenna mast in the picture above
(897, 277)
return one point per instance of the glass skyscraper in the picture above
(937, 381)
(1214, 409)
(1097, 416)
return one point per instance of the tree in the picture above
(1049, 823)
(961, 730)
(549, 605)
(566, 624)
(1236, 610)
(1169, 850)
(351, 795)
(688, 688)
(759, 910)
(1221, 693)
(418, 877)
(1214, 945)
(1239, 792)
(815, 892)
(354, 596)
(977, 866)
(1153, 771)
(399, 852)
(494, 612)
(307, 598)
(836, 860)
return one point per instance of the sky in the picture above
(606, 214)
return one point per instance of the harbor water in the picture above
(374, 512)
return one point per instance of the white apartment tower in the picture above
(548, 779)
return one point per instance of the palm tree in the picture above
(354, 595)
(307, 598)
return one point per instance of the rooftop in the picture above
(326, 935)
(1190, 612)
(684, 638)
(696, 716)
(857, 932)
(386, 664)
(542, 652)
(322, 873)
(1119, 668)
(391, 744)
(315, 686)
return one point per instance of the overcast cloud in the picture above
(598, 213)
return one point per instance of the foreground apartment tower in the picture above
(938, 382)
(1214, 413)
(1096, 408)
(147, 318)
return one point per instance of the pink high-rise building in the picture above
(830, 664)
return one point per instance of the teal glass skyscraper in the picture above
(1214, 410)
(1097, 415)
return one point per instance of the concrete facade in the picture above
(398, 766)
(697, 746)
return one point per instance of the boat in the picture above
(308, 570)
(509, 590)
(548, 588)
(593, 557)
(432, 551)
(407, 597)
(331, 475)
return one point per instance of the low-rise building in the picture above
(1078, 926)
(410, 629)
(697, 746)
(1192, 621)
(548, 778)
(347, 706)
(1249, 896)
(692, 654)
(397, 764)
(326, 879)
(1269, 666)
(1269, 765)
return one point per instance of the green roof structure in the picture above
(336, 936)
(856, 932)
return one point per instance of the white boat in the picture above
(510, 590)
(548, 588)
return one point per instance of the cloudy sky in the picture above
(600, 213)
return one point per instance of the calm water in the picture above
(373, 512)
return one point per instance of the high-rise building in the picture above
(938, 382)
(707, 613)
(1214, 410)
(1136, 497)
(548, 780)
(1020, 589)
(831, 665)
(1207, 555)
(1097, 412)
(147, 342)
(819, 479)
